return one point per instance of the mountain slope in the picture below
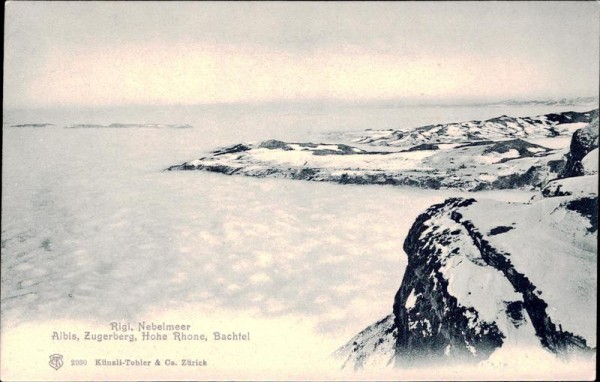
(484, 274)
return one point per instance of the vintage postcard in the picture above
(299, 191)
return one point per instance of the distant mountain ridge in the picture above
(550, 102)
(503, 127)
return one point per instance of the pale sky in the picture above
(108, 53)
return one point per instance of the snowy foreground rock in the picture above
(485, 274)
(475, 155)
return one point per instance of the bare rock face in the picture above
(431, 321)
(468, 322)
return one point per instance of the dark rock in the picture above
(500, 229)
(436, 327)
(584, 140)
(472, 144)
(587, 207)
(573, 116)
(424, 146)
(233, 149)
(557, 166)
(515, 312)
(515, 144)
(553, 190)
(274, 144)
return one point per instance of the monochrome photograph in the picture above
(299, 190)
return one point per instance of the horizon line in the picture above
(389, 102)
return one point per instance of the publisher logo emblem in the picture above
(56, 361)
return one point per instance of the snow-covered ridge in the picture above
(493, 154)
(503, 127)
(471, 166)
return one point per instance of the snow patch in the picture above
(411, 300)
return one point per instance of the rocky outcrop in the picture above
(472, 286)
(586, 207)
(460, 329)
(584, 141)
(430, 320)
(579, 175)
